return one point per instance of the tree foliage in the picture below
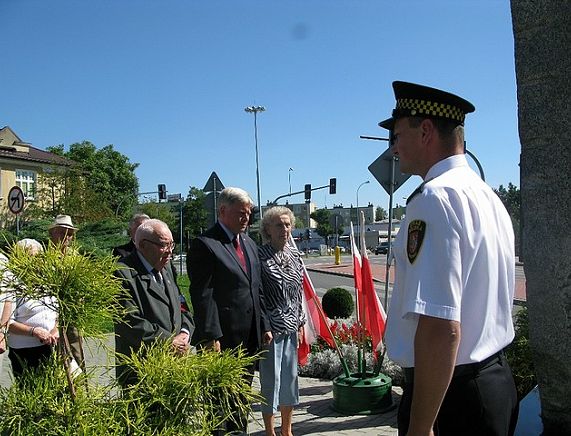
(194, 214)
(166, 212)
(324, 227)
(511, 198)
(66, 191)
(380, 214)
(109, 180)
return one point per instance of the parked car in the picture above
(382, 248)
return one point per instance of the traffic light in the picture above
(308, 191)
(254, 215)
(162, 191)
(333, 185)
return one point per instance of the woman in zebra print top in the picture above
(282, 274)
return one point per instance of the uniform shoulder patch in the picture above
(416, 230)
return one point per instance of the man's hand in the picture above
(180, 343)
(267, 339)
(213, 345)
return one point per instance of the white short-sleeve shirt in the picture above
(454, 259)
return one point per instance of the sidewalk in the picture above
(315, 416)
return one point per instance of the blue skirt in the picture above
(278, 373)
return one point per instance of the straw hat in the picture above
(63, 221)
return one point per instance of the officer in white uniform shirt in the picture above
(450, 314)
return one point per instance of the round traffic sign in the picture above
(16, 200)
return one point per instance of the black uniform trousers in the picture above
(480, 401)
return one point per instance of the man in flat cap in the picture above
(450, 315)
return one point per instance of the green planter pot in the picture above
(362, 395)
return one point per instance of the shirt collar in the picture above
(230, 234)
(146, 264)
(439, 168)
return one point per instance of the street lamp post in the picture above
(255, 110)
(358, 216)
(289, 179)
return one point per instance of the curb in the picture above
(336, 273)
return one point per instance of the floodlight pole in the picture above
(255, 110)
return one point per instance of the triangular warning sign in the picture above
(214, 184)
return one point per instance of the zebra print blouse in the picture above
(282, 275)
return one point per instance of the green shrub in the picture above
(39, 404)
(176, 395)
(519, 356)
(186, 395)
(99, 238)
(338, 303)
(87, 292)
(93, 238)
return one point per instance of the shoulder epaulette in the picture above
(415, 193)
(418, 190)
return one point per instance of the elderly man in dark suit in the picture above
(155, 307)
(224, 271)
(124, 250)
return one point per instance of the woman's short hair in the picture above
(30, 245)
(229, 196)
(269, 215)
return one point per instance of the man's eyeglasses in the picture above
(162, 245)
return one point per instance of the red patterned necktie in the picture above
(239, 252)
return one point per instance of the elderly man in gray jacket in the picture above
(156, 310)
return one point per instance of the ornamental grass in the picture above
(86, 290)
(175, 395)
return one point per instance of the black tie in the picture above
(158, 277)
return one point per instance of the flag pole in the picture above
(360, 324)
(364, 321)
(323, 317)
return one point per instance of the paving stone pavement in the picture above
(315, 415)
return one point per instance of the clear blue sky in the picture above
(166, 83)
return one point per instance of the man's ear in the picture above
(221, 209)
(427, 129)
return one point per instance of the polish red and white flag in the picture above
(316, 322)
(371, 313)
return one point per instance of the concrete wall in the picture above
(542, 31)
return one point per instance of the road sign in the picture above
(213, 184)
(381, 169)
(173, 198)
(16, 200)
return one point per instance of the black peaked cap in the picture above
(415, 100)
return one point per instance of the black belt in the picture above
(468, 369)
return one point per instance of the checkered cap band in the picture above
(416, 107)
